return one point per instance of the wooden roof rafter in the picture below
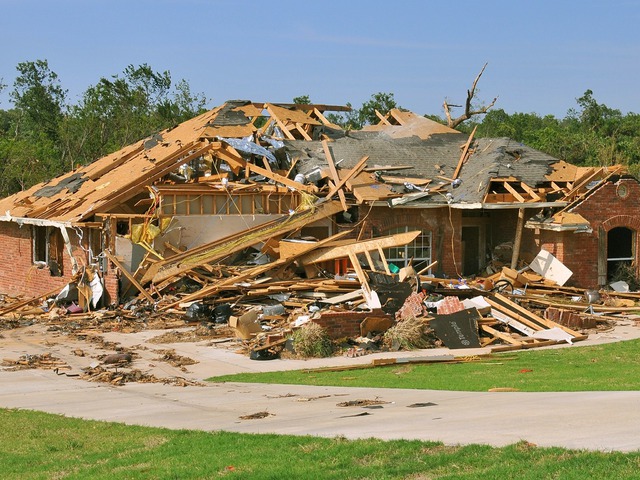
(237, 162)
(597, 174)
(510, 190)
(292, 121)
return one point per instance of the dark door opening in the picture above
(470, 250)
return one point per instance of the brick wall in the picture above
(379, 220)
(20, 277)
(603, 208)
(341, 324)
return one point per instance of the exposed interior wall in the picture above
(130, 256)
(186, 232)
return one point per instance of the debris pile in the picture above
(348, 316)
(120, 377)
(44, 361)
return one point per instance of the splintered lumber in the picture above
(211, 252)
(16, 305)
(266, 172)
(293, 248)
(366, 189)
(351, 173)
(334, 173)
(530, 319)
(250, 273)
(501, 335)
(131, 278)
(377, 168)
(581, 306)
(394, 180)
(463, 155)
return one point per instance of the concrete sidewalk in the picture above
(586, 420)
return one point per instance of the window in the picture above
(419, 249)
(48, 249)
(40, 247)
(620, 252)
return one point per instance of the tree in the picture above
(120, 110)
(39, 99)
(302, 100)
(469, 109)
(355, 119)
(30, 150)
(379, 102)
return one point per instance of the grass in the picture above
(36, 445)
(613, 366)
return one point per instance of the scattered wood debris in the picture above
(361, 403)
(172, 358)
(256, 416)
(120, 377)
(43, 361)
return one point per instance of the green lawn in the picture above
(613, 366)
(42, 446)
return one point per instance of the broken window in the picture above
(48, 249)
(620, 252)
(96, 248)
(40, 244)
(419, 250)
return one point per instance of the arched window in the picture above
(419, 249)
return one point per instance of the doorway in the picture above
(470, 250)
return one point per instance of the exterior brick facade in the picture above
(21, 277)
(606, 208)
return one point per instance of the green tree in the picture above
(121, 110)
(591, 134)
(366, 114)
(380, 102)
(29, 151)
(302, 100)
(181, 105)
(39, 100)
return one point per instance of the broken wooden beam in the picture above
(219, 249)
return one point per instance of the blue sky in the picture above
(541, 55)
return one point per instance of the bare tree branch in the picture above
(468, 111)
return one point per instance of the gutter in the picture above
(41, 222)
(554, 227)
(478, 205)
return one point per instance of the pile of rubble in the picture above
(367, 308)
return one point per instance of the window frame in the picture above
(422, 242)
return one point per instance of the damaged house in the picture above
(261, 185)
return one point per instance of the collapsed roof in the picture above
(410, 160)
